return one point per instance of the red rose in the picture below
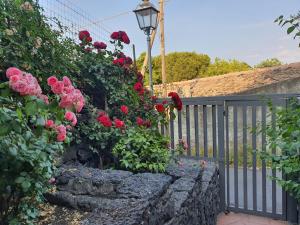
(139, 121)
(83, 35)
(115, 35)
(125, 38)
(176, 99)
(119, 123)
(138, 86)
(119, 62)
(140, 77)
(147, 123)
(99, 45)
(89, 39)
(104, 120)
(142, 91)
(121, 55)
(121, 36)
(124, 109)
(128, 60)
(154, 98)
(160, 108)
(179, 105)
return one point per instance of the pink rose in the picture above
(52, 80)
(61, 129)
(14, 78)
(49, 123)
(61, 137)
(58, 87)
(74, 120)
(69, 115)
(67, 82)
(13, 71)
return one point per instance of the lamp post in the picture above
(147, 17)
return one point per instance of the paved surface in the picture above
(243, 219)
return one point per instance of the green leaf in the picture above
(19, 113)
(30, 108)
(291, 29)
(13, 151)
(20, 180)
(26, 185)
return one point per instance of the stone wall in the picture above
(184, 195)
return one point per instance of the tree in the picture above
(221, 66)
(180, 66)
(293, 24)
(269, 63)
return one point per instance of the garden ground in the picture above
(243, 219)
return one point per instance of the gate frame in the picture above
(220, 103)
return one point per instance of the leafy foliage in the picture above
(189, 65)
(269, 63)
(286, 137)
(28, 152)
(142, 149)
(179, 66)
(221, 66)
(29, 43)
(293, 24)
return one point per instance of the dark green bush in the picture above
(142, 149)
(286, 138)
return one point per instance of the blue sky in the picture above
(229, 29)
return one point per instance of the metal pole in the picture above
(134, 58)
(150, 64)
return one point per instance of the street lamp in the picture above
(147, 17)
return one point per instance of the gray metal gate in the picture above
(224, 129)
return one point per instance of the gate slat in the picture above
(196, 121)
(188, 129)
(254, 158)
(205, 130)
(172, 133)
(263, 143)
(245, 158)
(274, 199)
(236, 159)
(214, 130)
(227, 157)
(179, 117)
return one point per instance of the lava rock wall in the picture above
(185, 195)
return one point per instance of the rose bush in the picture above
(129, 105)
(33, 130)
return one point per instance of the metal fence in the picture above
(73, 19)
(226, 129)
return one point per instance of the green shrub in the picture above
(142, 149)
(179, 66)
(269, 63)
(286, 138)
(221, 66)
(33, 129)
